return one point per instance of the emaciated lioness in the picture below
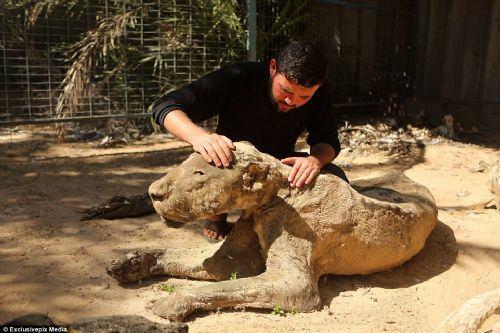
(286, 238)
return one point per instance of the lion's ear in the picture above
(247, 143)
(255, 175)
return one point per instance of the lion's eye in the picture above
(199, 173)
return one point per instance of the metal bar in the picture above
(68, 40)
(5, 60)
(252, 30)
(89, 87)
(125, 66)
(27, 68)
(175, 47)
(143, 99)
(190, 39)
(106, 10)
(49, 67)
(159, 48)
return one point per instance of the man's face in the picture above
(287, 94)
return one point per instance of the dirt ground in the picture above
(53, 263)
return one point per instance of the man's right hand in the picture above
(214, 148)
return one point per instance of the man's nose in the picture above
(289, 101)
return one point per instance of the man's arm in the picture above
(305, 169)
(211, 146)
(323, 152)
(323, 139)
(206, 97)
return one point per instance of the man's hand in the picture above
(304, 170)
(214, 148)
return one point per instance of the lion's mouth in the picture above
(172, 223)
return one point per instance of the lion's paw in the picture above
(135, 266)
(173, 307)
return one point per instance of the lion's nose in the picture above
(155, 197)
(158, 191)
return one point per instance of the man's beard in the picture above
(273, 100)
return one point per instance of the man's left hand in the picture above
(304, 170)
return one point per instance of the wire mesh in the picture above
(163, 44)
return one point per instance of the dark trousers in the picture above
(331, 168)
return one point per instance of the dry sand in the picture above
(52, 263)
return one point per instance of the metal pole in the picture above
(252, 30)
(4, 26)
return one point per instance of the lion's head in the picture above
(196, 189)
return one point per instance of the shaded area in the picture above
(116, 324)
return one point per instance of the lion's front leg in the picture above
(287, 282)
(240, 253)
(143, 264)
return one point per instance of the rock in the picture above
(125, 324)
(31, 319)
(106, 324)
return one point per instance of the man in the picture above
(268, 105)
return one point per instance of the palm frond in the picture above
(95, 43)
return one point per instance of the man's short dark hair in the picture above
(303, 63)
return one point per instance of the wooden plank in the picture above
(453, 49)
(490, 116)
(431, 87)
(400, 44)
(485, 116)
(368, 47)
(349, 30)
(491, 78)
(474, 49)
(421, 44)
(385, 26)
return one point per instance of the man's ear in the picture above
(255, 175)
(247, 143)
(272, 67)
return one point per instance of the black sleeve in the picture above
(201, 99)
(322, 126)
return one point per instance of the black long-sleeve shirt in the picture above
(240, 94)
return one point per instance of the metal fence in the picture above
(72, 60)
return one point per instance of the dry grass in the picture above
(96, 43)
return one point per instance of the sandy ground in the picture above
(52, 263)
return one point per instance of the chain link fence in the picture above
(87, 59)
